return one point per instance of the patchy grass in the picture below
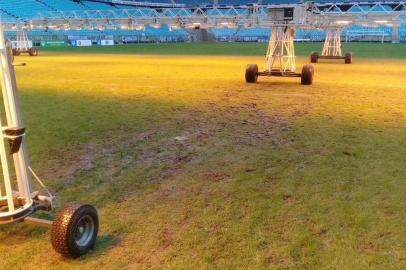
(192, 168)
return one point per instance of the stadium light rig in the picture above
(280, 57)
(75, 227)
(332, 48)
(332, 44)
(23, 45)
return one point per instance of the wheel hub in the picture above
(84, 231)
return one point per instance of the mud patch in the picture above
(215, 176)
(171, 146)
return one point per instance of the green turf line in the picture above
(369, 50)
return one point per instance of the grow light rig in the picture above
(74, 228)
(332, 47)
(23, 45)
(280, 57)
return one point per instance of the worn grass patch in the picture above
(192, 168)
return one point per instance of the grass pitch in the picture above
(192, 168)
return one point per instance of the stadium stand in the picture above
(356, 32)
(253, 34)
(64, 5)
(234, 2)
(24, 10)
(224, 33)
(97, 5)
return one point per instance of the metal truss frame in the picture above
(281, 53)
(332, 43)
(311, 16)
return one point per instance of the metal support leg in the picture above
(280, 55)
(332, 43)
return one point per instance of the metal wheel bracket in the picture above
(38, 222)
(331, 57)
(278, 73)
(44, 203)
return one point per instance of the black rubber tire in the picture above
(251, 73)
(348, 58)
(33, 52)
(314, 57)
(307, 75)
(65, 229)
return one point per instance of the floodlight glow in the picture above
(226, 23)
(139, 27)
(343, 22)
(173, 27)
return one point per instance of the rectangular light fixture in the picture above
(343, 22)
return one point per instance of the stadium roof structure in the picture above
(309, 14)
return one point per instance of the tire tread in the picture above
(62, 229)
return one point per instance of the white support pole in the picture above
(6, 174)
(14, 119)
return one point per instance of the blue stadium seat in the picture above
(254, 34)
(97, 5)
(224, 33)
(63, 5)
(23, 8)
(236, 2)
(12, 10)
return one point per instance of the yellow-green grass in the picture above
(192, 168)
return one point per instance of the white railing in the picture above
(360, 35)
